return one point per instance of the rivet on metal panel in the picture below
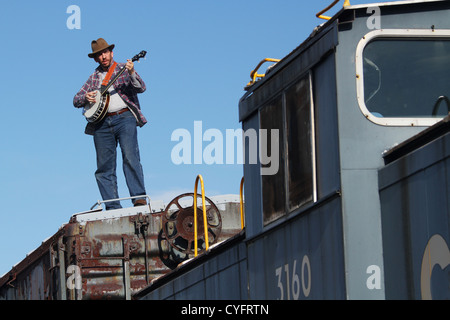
(86, 248)
(81, 230)
(134, 246)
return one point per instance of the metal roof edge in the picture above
(389, 3)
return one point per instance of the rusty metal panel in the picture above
(35, 277)
(114, 255)
(110, 254)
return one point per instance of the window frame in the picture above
(288, 164)
(285, 164)
(386, 34)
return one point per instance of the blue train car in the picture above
(414, 192)
(333, 209)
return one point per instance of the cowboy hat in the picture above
(99, 45)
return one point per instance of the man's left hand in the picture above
(130, 66)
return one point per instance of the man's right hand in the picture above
(90, 96)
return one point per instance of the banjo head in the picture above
(90, 108)
(95, 111)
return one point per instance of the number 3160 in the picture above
(291, 283)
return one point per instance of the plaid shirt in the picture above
(123, 86)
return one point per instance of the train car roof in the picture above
(389, 3)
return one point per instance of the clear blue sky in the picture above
(200, 54)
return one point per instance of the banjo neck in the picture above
(105, 89)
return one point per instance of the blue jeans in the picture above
(118, 129)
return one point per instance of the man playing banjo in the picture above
(117, 125)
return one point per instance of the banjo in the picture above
(96, 111)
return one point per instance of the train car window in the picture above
(292, 184)
(404, 76)
(299, 134)
(273, 191)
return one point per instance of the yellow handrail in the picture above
(242, 204)
(254, 74)
(205, 222)
(319, 14)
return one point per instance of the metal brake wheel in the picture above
(178, 223)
